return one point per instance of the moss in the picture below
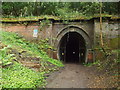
(115, 17)
(114, 42)
(36, 18)
(18, 19)
(103, 15)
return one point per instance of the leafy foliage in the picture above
(43, 24)
(15, 41)
(6, 58)
(61, 9)
(91, 64)
(18, 76)
(15, 75)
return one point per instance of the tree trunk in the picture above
(101, 35)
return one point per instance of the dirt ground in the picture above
(71, 76)
(79, 76)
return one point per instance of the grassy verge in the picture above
(14, 74)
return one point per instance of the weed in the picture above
(18, 76)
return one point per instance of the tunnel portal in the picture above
(72, 48)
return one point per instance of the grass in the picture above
(17, 75)
(14, 41)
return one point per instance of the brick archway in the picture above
(80, 33)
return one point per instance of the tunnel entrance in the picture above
(72, 48)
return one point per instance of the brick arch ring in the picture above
(72, 28)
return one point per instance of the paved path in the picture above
(71, 76)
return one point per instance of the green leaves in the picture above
(43, 24)
(62, 9)
(97, 62)
(56, 62)
(6, 59)
(18, 76)
(21, 77)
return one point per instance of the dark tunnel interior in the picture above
(72, 48)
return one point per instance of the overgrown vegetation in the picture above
(18, 76)
(43, 24)
(61, 9)
(13, 49)
(15, 41)
(108, 65)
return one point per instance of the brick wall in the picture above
(25, 31)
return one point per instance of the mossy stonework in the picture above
(60, 34)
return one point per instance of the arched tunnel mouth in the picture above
(72, 48)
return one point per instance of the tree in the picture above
(17, 9)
